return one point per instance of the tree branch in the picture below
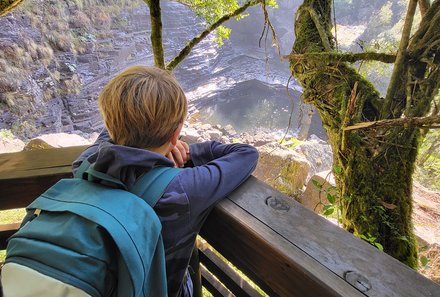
(321, 31)
(397, 75)
(342, 57)
(156, 32)
(189, 46)
(432, 122)
(8, 5)
(269, 24)
(423, 5)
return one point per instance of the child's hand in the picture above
(179, 154)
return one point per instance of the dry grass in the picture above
(8, 217)
(432, 269)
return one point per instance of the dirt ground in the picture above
(426, 219)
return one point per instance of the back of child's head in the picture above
(142, 107)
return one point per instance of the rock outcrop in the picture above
(55, 140)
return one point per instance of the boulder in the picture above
(318, 153)
(190, 135)
(283, 169)
(55, 140)
(314, 198)
(8, 145)
(214, 134)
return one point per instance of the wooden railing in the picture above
(284, 248)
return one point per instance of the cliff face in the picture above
(43, 45)
(55, 56)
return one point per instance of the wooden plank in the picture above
(25, 175)
(38, 162)
(228, 276)
(20, 192)
(6, 231)
(216, 288)
(372, 272)
(271, 261)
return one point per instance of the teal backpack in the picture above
(103, 240)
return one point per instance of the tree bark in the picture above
(374, 166)
(156, 32)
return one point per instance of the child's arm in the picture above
(219, 169)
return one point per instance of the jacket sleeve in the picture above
(218, 170)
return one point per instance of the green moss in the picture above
(375, 183)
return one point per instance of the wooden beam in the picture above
(25, 175)
(228, 276)
(214, 286)
(288, 249)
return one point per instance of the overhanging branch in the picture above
(189, 46)
(432, 122)
(342, 57)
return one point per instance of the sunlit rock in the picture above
(8, 145)
(282, 168)
(318, 153)
(55, 140)
(190, 135)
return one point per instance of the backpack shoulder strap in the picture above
(151, 185)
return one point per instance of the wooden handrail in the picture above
(282, 246)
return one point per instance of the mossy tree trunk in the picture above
(374, 167)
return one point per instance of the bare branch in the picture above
(272, 29)
(424, 5)
(189, 46)
(396, 77)
(421, 122)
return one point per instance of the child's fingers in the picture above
(180, 145)
(178, 158)
(170, 156)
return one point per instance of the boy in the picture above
(144, 109)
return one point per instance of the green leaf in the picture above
(404, 238)
(337, 169)
(331, 198)
(379, 246)
(329, 211)
(317, 184)
(424, 261)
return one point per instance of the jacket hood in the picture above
(126, 163)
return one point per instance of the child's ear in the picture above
(176, 134)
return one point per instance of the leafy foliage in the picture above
(211, 11)
(428, 161)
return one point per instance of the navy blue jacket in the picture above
(217, 170)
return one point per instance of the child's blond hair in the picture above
(142, 107)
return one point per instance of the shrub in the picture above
(79, 20)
